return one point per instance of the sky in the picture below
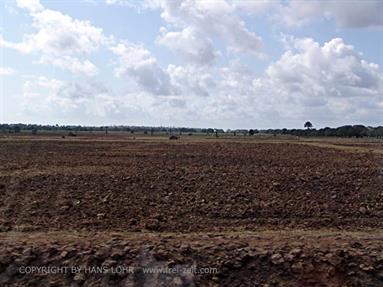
(192, 63)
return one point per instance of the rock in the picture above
(27, 251)
(363, 210)
(64, 207)
(366, 267)
(277, 258)
(109, 263)
(296, 251)
(79, 277)
(63, 254)
(106, 198)
(177, 281)
(215, 279)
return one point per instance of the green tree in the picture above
(308, 125)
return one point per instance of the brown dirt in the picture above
(116, 185)
(166, 186)
(296, 259)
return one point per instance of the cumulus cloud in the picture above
(254, 7)
(6, 71)
(348, 14)
(93, 98)
(133, 3)
(137, 62)
(38, 92)
(60, 39)
(72, 101)
(190, 45)
(118, 2)
(31, 5)
(71, 64)
(326, 83)
(334, 69)
(49, 95)
(191, 80)
(293, 13)
(210, 19)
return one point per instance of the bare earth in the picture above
(257, 212)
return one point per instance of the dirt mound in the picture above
(191, 260)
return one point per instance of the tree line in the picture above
(34, 128)
(348, 131)
(356, 131)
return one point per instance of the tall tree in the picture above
(308, 125)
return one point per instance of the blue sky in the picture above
(213, 63)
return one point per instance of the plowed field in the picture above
(132, 187)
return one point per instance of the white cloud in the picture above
(133, 3)
(210, 19)
(190, 44)
(59, 39)
(72, 64)
(323, 83)
(90, 98)
(214, 19)
(335, 69)
(120, 2)
(293, 13)
(90, 103)
(70, 99)
(254, 7)
(6, 71)
(59, 33)
(329, 82)
(38, 92)
(188, 81)
(348, 14)
(31, 86)
(137, 62)
(31, 5)
(116, 2)
(326, 83)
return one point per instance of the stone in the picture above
(277, 258)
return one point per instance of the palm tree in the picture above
(308, 125)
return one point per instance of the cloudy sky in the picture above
(211, 63)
